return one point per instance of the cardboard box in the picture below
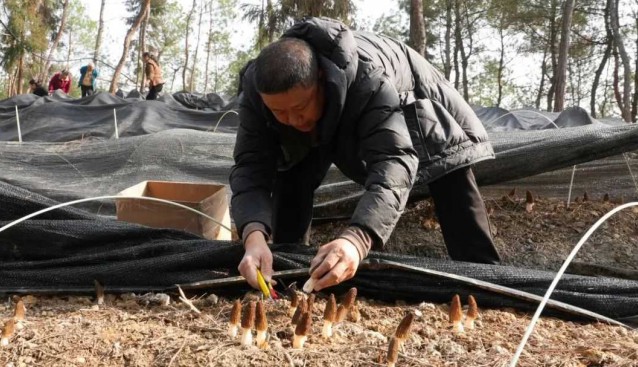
(208, 198)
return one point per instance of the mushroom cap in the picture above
(472, 310)
(261, 322)
(235, 313)
(330, 312)
(403, 330)
(248, 316)
(456, 313)
(304, 325)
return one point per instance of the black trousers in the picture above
(154, 91)
(459, 207)
(463, 217)
(86, 91)
(293, 198)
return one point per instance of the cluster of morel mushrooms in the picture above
(301, 307)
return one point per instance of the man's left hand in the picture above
(335, 262)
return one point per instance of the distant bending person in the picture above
(88, 76)
(60, 80)
(37, 89)
(153, 75)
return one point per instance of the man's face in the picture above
(299, 107)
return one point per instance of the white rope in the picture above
(633, 178)
(222, 116)
(117, 133)
(18, 123)
(541, 306)
(571, 184)
(96, 198)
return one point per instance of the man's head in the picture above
(33, 84)
(90, 66)
(290, 83)
(146, 55)
(64, 73)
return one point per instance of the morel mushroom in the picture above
(302, 330)
(301, 309)
(7, 332)
(393, 352)
(346, 304)
(456, 314)
(261, 324)
(247, 324)
(472, 313)
(235, 318)
(294, 303)
(18, 314)
(403, 330)
(329, 316)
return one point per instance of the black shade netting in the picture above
(67, 249)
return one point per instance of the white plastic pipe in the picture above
(18, 123)
(117, 133)
(541, 306)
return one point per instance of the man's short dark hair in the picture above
(284, 64)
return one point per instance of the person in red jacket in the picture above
(61, 80)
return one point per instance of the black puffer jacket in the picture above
(371, 81)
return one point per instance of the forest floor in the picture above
(130, 330)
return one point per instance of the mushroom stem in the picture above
(326, 331)
(261, 337)
(298, 341)
(246, 337)
(232, 330)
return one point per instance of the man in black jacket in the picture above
(383, 115)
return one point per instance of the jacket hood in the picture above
(332, 39)
(338, 59)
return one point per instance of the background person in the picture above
(60, 80)
(88, 76)
(383, 115)
(153, 75)
(37, 89)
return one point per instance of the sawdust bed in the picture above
(127, 331)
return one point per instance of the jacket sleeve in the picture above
(252, 176)
(391, 163)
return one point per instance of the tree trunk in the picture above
(563, 53)
(603, 62)
(458, 44)
(141, 73)
(68, 53)
(209, 43)
(447, 64)
(194, 69)
(634, 105)
(127, 43)
(188, 28)
(541, 86)
(599, 72)
(625, 102)
(56, 40)
(417, 27)
(501, 65)
(98, 38)
(552, 55)
(18, 82)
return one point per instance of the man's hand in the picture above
(257, 255)
(335, 262)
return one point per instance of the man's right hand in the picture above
(257, 255)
